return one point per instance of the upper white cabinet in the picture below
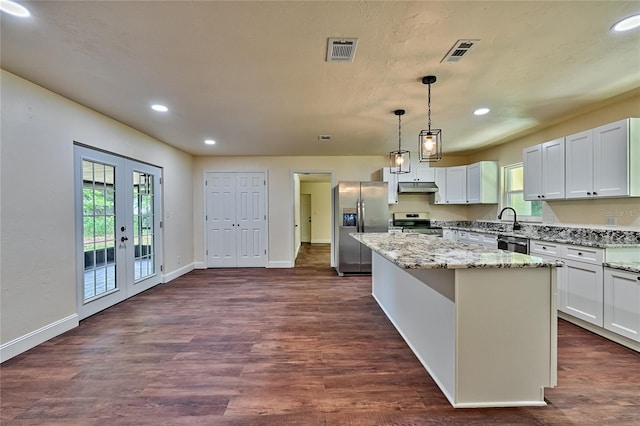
(544, 171)
(482, 183)
(418, 174)
(440, 197)
(600, 162)
(473, 184)
(456, 187)
(392, 187)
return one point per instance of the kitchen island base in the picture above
(488, 337)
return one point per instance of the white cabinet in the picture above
(456, 188)
(392, 187)
(440, 197)
(449, 234)
(479, 238)
(418, 174)
(473, 184)
(583, 296)
(622, 303)
(544, 171)
(602, 162)
(482, 183)
(579, 281)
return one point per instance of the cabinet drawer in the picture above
(545, 248)
(584, 254)
(474, 237)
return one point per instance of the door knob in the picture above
(123, 239)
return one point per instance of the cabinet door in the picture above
(474, 183)
(424, 174)
(583, 296)
(407, 177)
(392, 188)
(611, 161)
(579, 165)
(622, 303)
(532, 164)
(457, 185)
(553, 165)
(440, 197)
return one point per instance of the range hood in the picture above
(417, 187)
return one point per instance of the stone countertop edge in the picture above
(624, 266)
(417, 251)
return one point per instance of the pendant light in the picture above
(400, 160)
(430, 140)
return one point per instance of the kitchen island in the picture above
(481, 321)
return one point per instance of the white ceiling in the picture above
(253, 75)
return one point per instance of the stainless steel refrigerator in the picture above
(359, 207)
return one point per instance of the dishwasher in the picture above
(515, 244)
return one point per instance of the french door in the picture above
(118, 229)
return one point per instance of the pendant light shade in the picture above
(400, 160)
(430, 140)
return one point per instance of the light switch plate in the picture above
(611, 221)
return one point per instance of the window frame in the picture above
(508, 215)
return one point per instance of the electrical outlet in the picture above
(548, 218)
(611, 221)
(178, 260)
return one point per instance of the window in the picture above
(512, 194)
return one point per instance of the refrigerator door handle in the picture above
(362, 216)
(358, 215)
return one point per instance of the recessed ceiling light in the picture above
(13, 8)
(159, 108)
(481, 111)
(627, 23)
(210, 142)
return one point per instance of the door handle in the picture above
(123, 239)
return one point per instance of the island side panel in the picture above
(420, 305)
(504, 336)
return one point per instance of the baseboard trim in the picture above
(280, 264)
(178, 273)
(31, 340)
(200, 265)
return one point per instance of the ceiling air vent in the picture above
(459, 50)
(341, 49)
(324, 138)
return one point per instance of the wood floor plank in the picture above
(297, 346)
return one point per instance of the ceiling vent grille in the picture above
(341, 49)
(324, 138)
(459, 50)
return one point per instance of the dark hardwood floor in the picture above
(314, 255)
(296, 346)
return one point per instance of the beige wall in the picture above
(320, 210)
(583, 212)
(38, 243)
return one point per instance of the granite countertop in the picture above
(419, 251)
(626, 266)
(592, 239)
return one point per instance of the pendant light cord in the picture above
(399, 132)
(429, 108)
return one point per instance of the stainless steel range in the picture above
(418, 223)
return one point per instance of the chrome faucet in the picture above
(516, 225)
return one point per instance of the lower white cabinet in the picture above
(479, 238)
(622, 303)
(580, 286)
(584, 291)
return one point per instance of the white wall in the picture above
(37, 241)
(281, 193)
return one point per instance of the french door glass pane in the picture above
(98, 210)
(143, 225)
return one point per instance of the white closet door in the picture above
(235, 219)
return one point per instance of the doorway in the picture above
(313, 218)
(118, 228)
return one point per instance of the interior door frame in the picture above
(292, 212)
